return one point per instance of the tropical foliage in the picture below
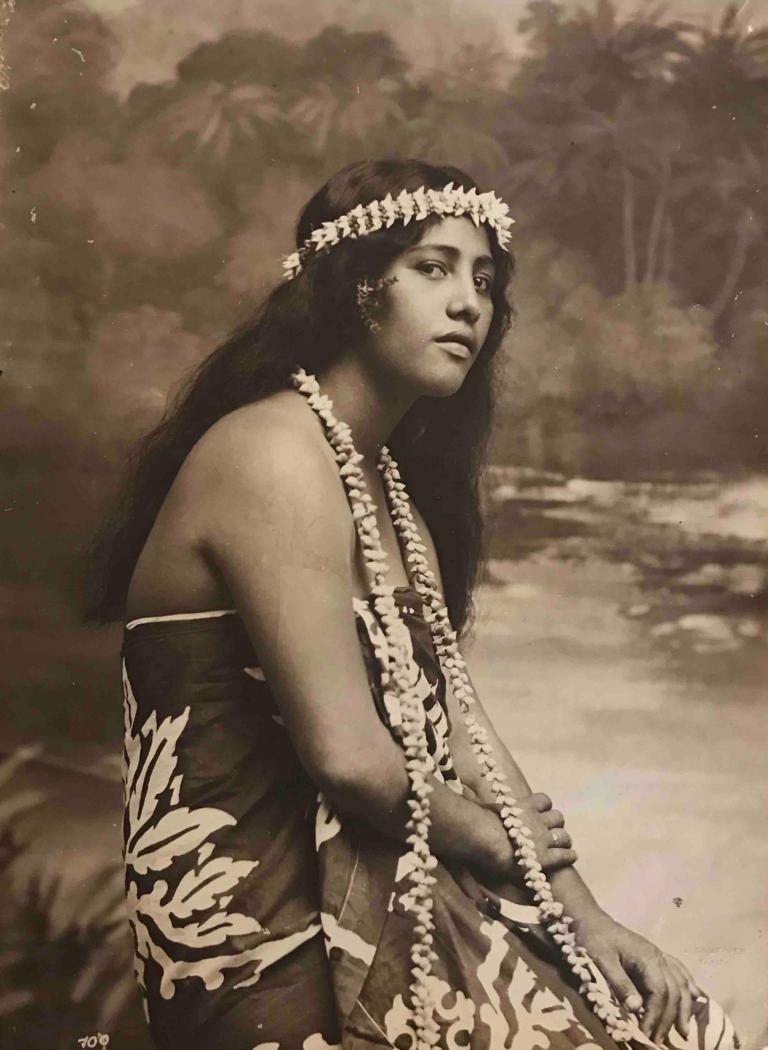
(65, 964)
(634, 142)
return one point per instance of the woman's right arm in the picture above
(274, 522)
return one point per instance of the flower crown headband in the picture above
(417, 205)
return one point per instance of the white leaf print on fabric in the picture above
(526, 914)
(198, 890)
(312, 1042)
(213, 930)
(210, 969)
(460, 1018)
(129, 717)
(326, 822)
(176, 790)
(179, 831)
(338, 937)
(157, 832)
(536, 1009)
(150, 775)
(317, 1042)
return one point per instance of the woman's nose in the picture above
(464, 302)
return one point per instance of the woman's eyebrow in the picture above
(485, 260)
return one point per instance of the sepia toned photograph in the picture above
(384, 459)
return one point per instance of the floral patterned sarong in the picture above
(261, 920)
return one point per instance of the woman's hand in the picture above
(553, 845)
(645, 979)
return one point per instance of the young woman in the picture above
(326, 843)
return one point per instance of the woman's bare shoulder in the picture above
(276, 439)
(269, 449)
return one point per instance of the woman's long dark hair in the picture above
(440, 443)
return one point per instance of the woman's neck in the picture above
(370, 405)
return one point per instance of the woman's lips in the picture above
(457, 349)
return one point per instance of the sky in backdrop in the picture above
(155, 34)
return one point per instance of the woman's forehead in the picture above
(459, 232)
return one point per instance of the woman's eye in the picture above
(429, 268)
(432, 268)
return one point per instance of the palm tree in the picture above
(461, 107)
(594, 56)
(349, 91)
(603, 160)
(214, 118)
(737, 187)
(476, 73)
(723, 81)
(331, 115)
(596, 127)
(727, 52)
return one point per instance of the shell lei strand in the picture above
(397, 682)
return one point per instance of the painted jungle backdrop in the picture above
(627, 497)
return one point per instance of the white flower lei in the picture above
(416, 205)
(395, 678)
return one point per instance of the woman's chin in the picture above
(444, 382)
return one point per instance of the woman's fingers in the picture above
(688, 992)
(620, 982)
(691, 983)
(553, 844)
(684, 1011)
(540, 801)
(668, 990)
(671, 1008)
(561, 839)
(558, 858)
(553, 818)
(656, 1001)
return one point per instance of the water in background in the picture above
(694, 555)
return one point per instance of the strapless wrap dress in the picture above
(264, 921)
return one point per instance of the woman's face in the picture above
(435, 317)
